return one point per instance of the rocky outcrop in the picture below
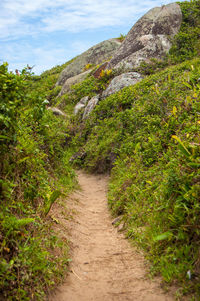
(72, 81)
(121, 81)
(95, 55)
(56, 111)
(149, 37)
(90, 106)
(81, 104)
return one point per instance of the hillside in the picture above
(144, 133)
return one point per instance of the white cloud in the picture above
(43, 58)
(21, 17)
(44, 33)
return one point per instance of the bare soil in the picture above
(104, 267)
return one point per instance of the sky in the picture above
(46, 33)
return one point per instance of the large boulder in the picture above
(95, 55)
(121, 81)
(149, 37)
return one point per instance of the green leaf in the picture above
(2, 137)
(182, 147)
(187, 85)
(194, 165)
(163, 236)
(24, 159)
(54, 196)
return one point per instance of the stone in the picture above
(117, 220)
(56, 111)
(72, 81)
(97, 73)
(90, 106)
(121, 81)
(81, 104)
(95, 55)
(148, 38)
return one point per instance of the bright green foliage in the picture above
(186, 43)
(122, 37)
(89, 87)
(86, 88)
(44, 84)
(147, 135)
(150, 134)
(32, 155)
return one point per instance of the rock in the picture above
(81, 104)
(117, 220)
(121, 81)
(120, 228)
(72, 81)
(95, 55)
(149, 37)
(90, 106)
(97, 73)
(56, 111)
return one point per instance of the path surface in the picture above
(104, 266)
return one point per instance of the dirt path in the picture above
(104, 266)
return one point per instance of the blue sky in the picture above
(46, 33)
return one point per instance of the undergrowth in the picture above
(34, 169)
(148, 136)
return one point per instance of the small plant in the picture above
(147, 135)
(88, 66)
(122, 37)
(31, 152)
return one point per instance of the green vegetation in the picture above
(150, 134)
(186, 43)
(147, 136)
(32, 158)
(122, 37)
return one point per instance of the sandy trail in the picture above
(104, 266)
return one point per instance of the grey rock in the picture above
(95, 55)
(149, 37)
(121, 81)
(81, 104)
(90, 106)
(117, 220)
(56, 111)
(72, 81)
(120, 228)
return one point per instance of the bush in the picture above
(147, 135)
(31, 150)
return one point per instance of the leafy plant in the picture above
(31, 150)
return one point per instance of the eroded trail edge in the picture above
(104, 266)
